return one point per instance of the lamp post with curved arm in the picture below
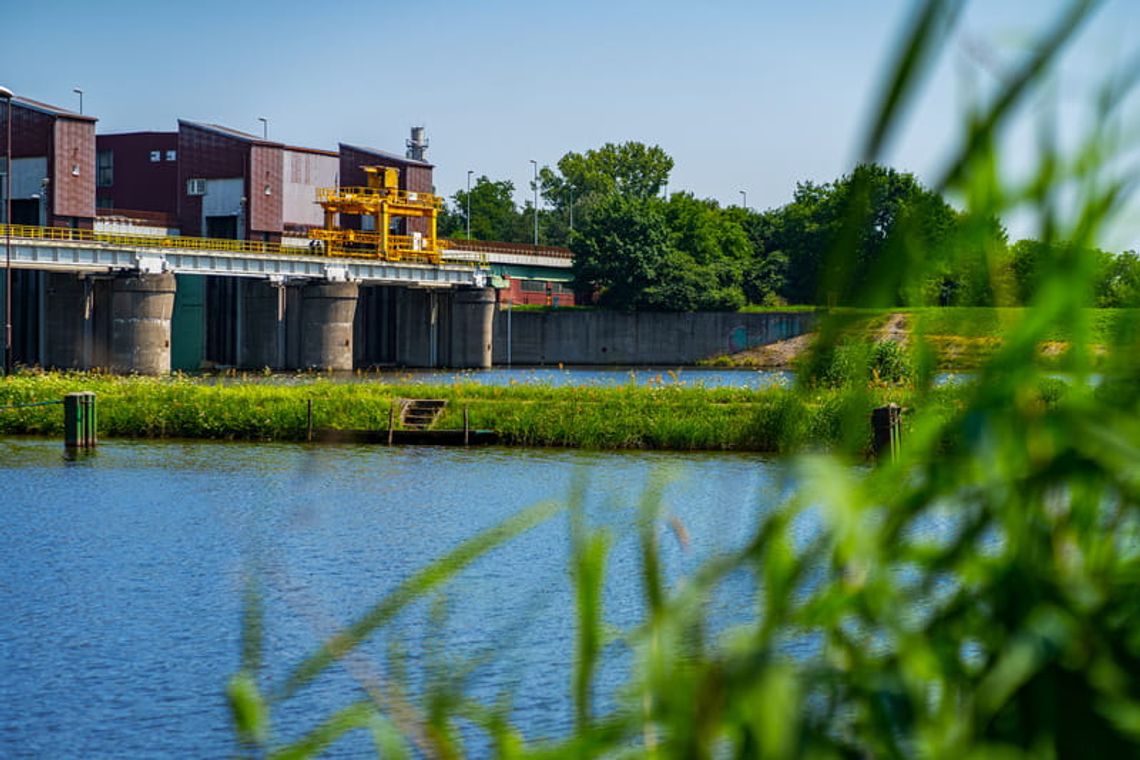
(6, 96)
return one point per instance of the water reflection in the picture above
(124, 575)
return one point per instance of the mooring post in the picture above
(310, 421)
(886, 431)
(391, 420)
(466, 428)
(79, 420)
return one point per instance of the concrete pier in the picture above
(263, 325)
(141, 307)
(417, 325)
(472, 322)
(76, 329)
(68, 313)
(327, 313)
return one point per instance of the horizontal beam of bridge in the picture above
(100, 257)
(509, 257)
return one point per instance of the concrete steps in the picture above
(421, 413)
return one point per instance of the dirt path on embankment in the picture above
(783, 354)
(954, 352)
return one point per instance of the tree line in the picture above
(835, 243)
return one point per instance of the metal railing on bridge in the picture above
(221, 245)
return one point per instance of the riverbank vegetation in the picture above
(969, 601)
(658, 416)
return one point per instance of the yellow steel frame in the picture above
(381, 200)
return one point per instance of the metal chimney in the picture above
(417, 144)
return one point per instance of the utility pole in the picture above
(535, 163)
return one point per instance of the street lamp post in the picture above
(264, 127)
(744, 196)
(535, 164)
(469, 173)
(79, 92)
(6, 96)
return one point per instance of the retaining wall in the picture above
(640, 338)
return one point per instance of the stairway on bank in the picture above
(421, 413)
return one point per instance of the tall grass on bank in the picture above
(623, 417)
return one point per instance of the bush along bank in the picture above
(624, 417)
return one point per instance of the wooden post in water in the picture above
(391, 421)
(886, 431)
(309, 425)
(79, 420)
(466, 427)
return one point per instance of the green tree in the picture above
(580, 180)
(835, 237)
(1118, 284)
(799, 235)
(714, 253)
(494, 215)
(623, 253)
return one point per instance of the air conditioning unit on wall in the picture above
(195, 187)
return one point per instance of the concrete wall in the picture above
(643, 338)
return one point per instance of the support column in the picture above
(327, 313)
(417, 315)
(263, 339)
(141, 307)
(472, 319)
(67, 321)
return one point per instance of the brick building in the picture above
(213, 181)
(53, 165)
(229, 183)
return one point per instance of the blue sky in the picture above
(750, 96)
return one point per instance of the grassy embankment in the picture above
(961, 338)
(670, 417)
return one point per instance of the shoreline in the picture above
(649, 417)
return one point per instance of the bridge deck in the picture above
(84, 250)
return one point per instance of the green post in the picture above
(886, 431)
(79, 420)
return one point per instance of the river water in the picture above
(121, 591)
(558, 377)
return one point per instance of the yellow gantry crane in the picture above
(382, 201)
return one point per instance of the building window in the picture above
(104, 168)
(533, 286)
(104, 203)
(171, 155)
(156, 155)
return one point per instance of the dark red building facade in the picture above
(137, 171)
